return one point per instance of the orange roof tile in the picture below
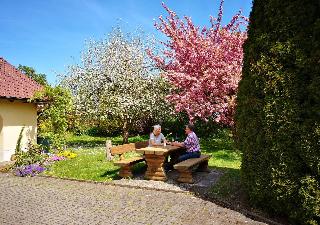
(15, 84)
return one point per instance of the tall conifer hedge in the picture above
(278, 112)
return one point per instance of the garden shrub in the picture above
(176, 126)
(52, 118)
(32, 156)
(84, 140)
(277, 118)
(103, 131)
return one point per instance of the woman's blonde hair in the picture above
(156, 127)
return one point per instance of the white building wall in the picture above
(13, 116)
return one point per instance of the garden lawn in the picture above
(90, 164)
(221, 148)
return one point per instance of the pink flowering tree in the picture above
(203, 64)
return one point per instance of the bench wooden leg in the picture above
(203, 167)
(125, 171)
(185, 176)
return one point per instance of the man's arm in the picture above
(184, 144)
(179, 144)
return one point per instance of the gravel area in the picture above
(203, 182)
(42, 200)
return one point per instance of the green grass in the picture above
(90, 164)
(222, 151)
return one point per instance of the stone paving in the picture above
(41, 200)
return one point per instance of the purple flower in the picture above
(29, 170)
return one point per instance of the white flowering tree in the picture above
(116, 81)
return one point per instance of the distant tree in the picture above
(117, 83)
(30, 72)
(204, 65)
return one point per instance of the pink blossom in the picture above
(204, 65)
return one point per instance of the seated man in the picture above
(191, 144)
(156, 137)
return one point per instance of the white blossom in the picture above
(116, 81)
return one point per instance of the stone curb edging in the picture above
(219, 202)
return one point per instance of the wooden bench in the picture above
(185, 168)
(126, 164)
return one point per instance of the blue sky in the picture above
(49, 35)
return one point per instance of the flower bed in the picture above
(39, 166)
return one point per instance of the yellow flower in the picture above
(68, 154)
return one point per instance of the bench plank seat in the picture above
(185, 167)
(191, 162)
(129, 161)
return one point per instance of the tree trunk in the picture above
(125, 132)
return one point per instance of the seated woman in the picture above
(156, 137)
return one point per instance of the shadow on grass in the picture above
(228, 187)
(222, 150)
(226, 159)
(137, 169)
(111, 174)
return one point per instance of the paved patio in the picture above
(41, 200)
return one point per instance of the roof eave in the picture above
(21, 99)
